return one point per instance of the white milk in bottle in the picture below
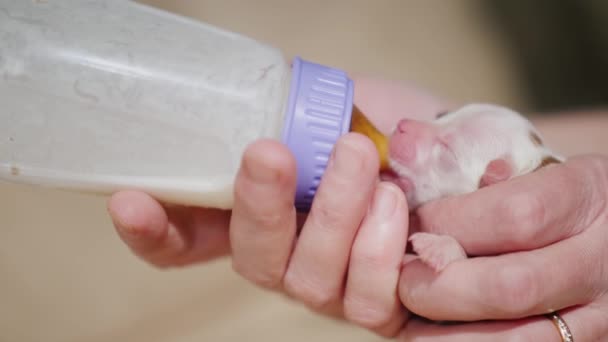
(104, 95)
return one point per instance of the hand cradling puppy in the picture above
(459, 152)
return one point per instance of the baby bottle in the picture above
(104, 95)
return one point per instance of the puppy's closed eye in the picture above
(442, 114)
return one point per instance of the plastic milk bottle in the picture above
(104, 95)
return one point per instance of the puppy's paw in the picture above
(437, 251)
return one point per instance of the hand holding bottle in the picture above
(261, 232)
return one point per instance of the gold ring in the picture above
(561, 326)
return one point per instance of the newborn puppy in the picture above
(461, 151)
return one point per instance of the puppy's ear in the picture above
(498, 170)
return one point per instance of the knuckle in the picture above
(598, 179)
(335, 189)
(265, 216)
(513, 292)
(366, 314)
(586, 175)
(527, 212)
(267, 208)
(327, 218)
(311, 294)
(268, 220)
(269, 279)
(372, 259)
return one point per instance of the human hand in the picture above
(541, 241)
(344, 262)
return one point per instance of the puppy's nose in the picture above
(414, 127)
(402, 125)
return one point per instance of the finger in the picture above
(318, 265)
(174, 236)
(509, 286)
(524, 213)
(586, 323)
(371, 297)
(263, 224)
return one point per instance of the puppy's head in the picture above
(463, 150)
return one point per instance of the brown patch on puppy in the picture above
(547, 161)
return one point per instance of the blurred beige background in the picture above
(66, 277)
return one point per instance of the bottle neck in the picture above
(361, 124)
(319, 111)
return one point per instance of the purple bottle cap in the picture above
(319, 112)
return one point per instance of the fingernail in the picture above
(119, 219)
(345, 158)
(260, 172)
(384, 201)
(131, 235)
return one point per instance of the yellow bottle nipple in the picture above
(361, 124)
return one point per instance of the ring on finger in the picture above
(561, 326)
